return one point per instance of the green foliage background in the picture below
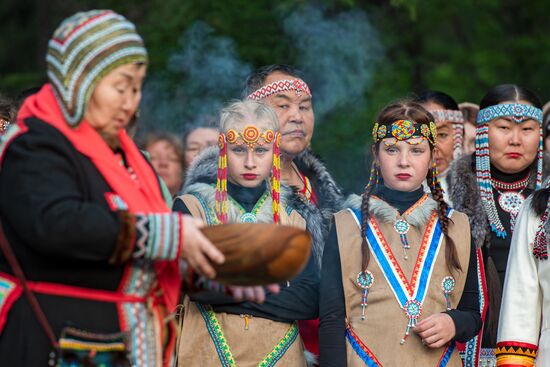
(459, 47)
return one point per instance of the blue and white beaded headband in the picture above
(518, 111)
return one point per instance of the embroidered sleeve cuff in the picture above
(515, 354)
(158, 236)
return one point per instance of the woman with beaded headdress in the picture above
(450, 131)
(491, 185)
(399, 284)
(91, 266)
(219, 328)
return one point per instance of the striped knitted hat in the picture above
(85, 48)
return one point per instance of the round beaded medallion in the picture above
(448, 284)
(413, 309)
(401, 226)
(365, 279)
(249, 218)
(510, 201)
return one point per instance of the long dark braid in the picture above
(373, 181)
(451, 255)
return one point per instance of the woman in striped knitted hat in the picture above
(491, 185)
(83, 212)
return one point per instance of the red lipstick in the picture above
(403, 176)
(249, 176)
(514, 155)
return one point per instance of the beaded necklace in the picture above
(251, 216)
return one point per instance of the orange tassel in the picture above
(221, 182)
(276, 178)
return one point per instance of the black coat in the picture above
(58, 222)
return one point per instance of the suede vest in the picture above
(250, 339)
(386, 322)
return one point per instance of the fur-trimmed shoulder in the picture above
(329, 195)
(203, 169)
(203, 172)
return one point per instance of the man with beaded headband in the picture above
(491, 185)
(398, 252)
(240, 182)
(283, 88)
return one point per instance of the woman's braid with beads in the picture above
(451, 255)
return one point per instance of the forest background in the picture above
(357, 56)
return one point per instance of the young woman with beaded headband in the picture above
(401, 253)
(491, 185)
(239, 182)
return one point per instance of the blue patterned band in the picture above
(518, 111)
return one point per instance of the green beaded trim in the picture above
(256, 207)
(224, 351)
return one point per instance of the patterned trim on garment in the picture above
(515, 354)
(224, 351)
(446, 355)
(361, 349)
(10, 291)
(487, 357)
(13, 132)
(159, 236)
(115, 202)
(369, 358)
(472, 348)
(144, 331)
(403, 289)
(211, 217)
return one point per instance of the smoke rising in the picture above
(338, 54)
(199, 78)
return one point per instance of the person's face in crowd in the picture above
(198, 140)
(404, 166)
(115, 100)
(444, 143)
(469, 142)
(167, 164)
(246, 166)
(295, 113)
(512, 146)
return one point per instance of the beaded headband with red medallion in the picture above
(297, 85)
(251, 136)
(405, 130)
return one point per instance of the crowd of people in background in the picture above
(441, 261)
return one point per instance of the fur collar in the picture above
(465, 196)
(329, 195)
(386, 213)
(202, 174)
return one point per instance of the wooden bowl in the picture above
(259, 253)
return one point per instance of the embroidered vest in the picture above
(376, 340)
(221, 339)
